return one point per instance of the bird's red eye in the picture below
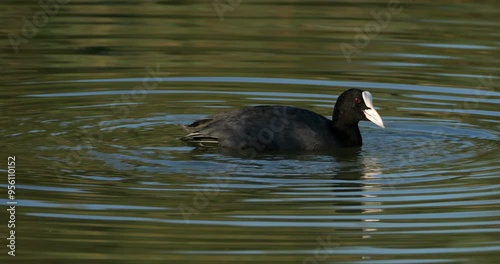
(357, 100)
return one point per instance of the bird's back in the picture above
(264, 128)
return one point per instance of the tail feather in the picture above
(200, 139)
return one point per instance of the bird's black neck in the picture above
(347, 135)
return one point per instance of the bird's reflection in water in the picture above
(354, 192)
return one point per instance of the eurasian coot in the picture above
(285, 128)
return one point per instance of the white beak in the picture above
(370, 113)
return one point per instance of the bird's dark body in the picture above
(270, 128)
(285, 128)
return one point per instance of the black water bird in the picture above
(285, 128)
